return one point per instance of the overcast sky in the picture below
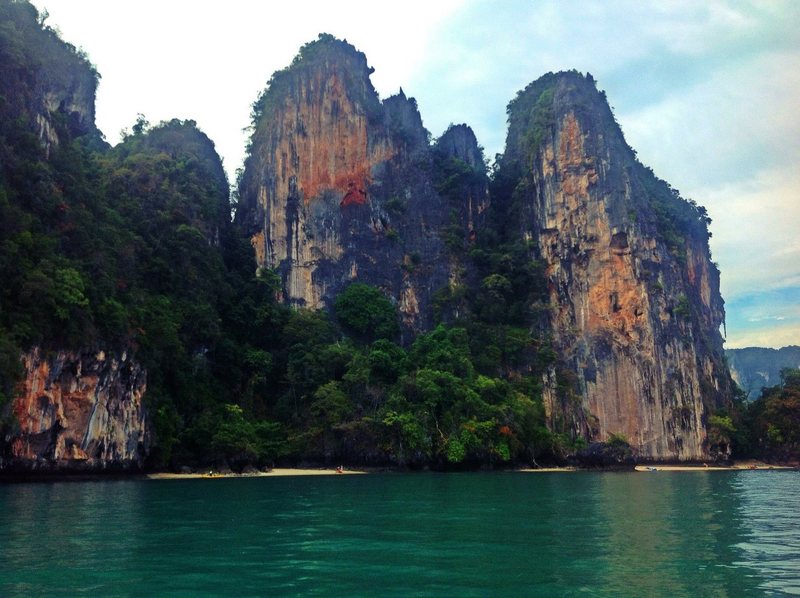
(706, 92)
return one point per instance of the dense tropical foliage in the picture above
(132, 248)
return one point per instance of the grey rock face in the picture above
(338, 187)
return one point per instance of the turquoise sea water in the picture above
(472, 534)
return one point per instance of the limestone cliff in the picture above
(45, 81)
(461, 178)
(635, 302)
(64, 409)
(338, 186)
(66, 94)
(79, 411)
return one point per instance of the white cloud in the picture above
(695, 28)
(755, 231)
(774, 336)
(737, 121)
(766, 318)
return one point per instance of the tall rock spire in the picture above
(338, 187)
(634, 296)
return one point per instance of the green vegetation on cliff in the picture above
(48, 207)
(132, 248)
(769, 427)
(775, 419)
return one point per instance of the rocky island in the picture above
(379, 298)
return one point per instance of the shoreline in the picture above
(749, 465)
(76, 476)
(565, 469)
(299, 471)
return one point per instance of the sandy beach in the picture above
(547, 469)
(288, 471)
(740, 466)
(277, 472)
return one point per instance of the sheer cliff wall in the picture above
(634, 296)
(338, 186)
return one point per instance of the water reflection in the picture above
(673, 534)
(771, 543)
(637, 534)
(58, 535)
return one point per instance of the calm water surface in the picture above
(494, 534)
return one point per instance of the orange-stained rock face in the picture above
(80, 408)
(258, 241)
(322, 141)
(339, 186)
(614, 290)
(317, 156)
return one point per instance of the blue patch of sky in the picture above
(760, 311)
